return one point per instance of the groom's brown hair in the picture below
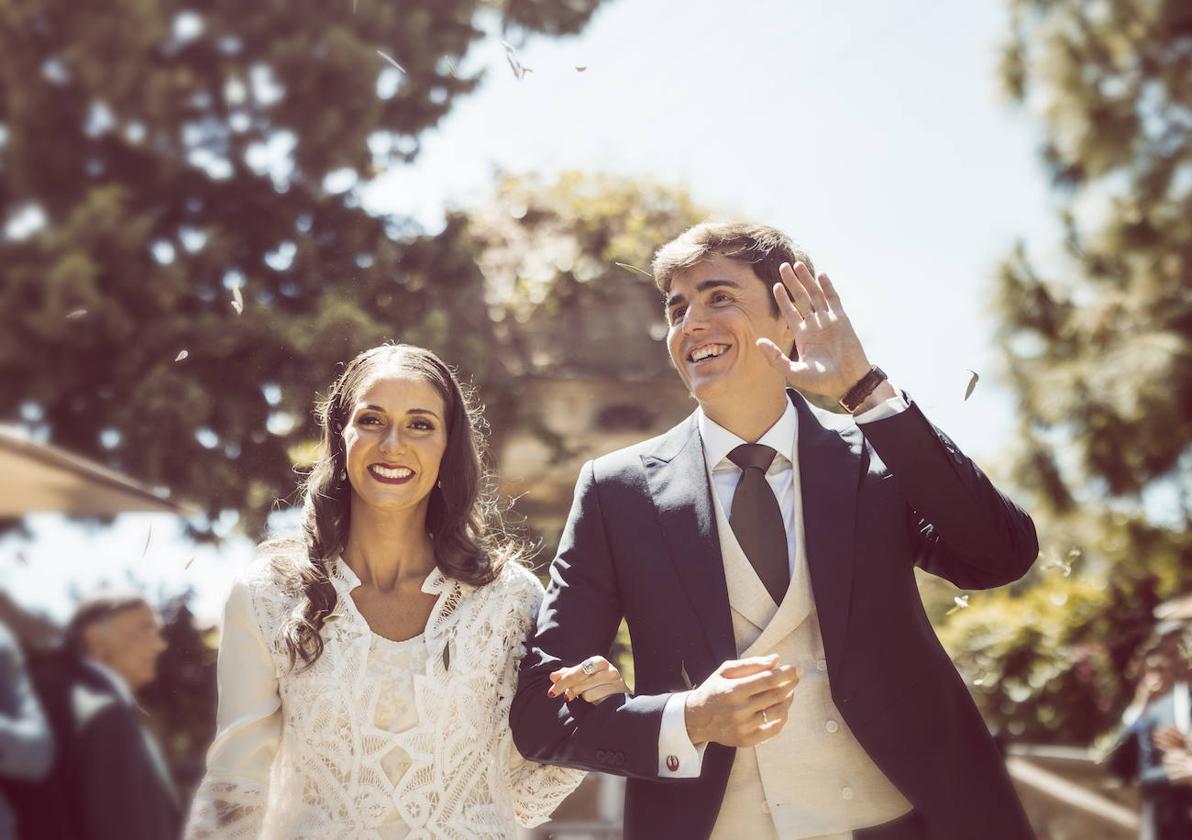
(762, 247)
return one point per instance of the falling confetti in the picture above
(237, 300)
(580, 69)
(392, 61)
(968, 391)
(1064, 565)
(188, 562)
(451, 69)
(76, 314)
(182, 356)
(634, 268)
(519, 69)
(148, 539)
(961, 601)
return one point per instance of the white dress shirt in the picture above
(718, 441)
(118, 682)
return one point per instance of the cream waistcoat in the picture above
(813, 780)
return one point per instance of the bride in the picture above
(366, 670)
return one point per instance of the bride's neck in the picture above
(388, 548)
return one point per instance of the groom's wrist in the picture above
(691, 717)
(877, 396)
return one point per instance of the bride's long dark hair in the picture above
(462, 518)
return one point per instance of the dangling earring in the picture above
(343, 475)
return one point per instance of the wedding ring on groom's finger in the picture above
(588, 666)
(764, 720)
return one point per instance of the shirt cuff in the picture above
(1131, 714)
(886, 408)
(678, 758)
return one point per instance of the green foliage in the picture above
(181, 700)
(553, 256)
(1048, 658)
(178, 152)
(1099, 353)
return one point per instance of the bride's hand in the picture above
(594, 679)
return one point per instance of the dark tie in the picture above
(757, 521)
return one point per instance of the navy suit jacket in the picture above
(108, 781)
(641, 544)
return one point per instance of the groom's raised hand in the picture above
(743, 703)
(830, 359)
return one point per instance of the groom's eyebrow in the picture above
(703, 286)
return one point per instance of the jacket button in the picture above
(831, 727)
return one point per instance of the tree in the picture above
(1098, 349)
(185, 260)
(181, 700)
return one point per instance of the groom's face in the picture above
(716, 312)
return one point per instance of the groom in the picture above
(788, 683)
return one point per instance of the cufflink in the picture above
(672, 763)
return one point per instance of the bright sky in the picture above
(873, 132)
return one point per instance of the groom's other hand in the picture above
(743, 703)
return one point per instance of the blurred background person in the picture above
(1152, 749)
(110, 779)
(26, 748)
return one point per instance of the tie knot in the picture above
(752, 455)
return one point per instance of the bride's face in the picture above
(395, 439)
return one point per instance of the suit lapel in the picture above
(678, 481)
(829, 467)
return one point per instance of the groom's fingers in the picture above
(786, 306)
(782, 362)
(767, 700)
(776, 718)
(795, 285)
(782, 677)
(818, 300)
(831, 294)
(736, 668)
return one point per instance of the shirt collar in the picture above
(719, 441)
(345, 580)
(118, 682)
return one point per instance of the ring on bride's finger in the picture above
(588, 666)
(764, 720)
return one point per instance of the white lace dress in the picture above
(379, 739)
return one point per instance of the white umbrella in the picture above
(39, 478)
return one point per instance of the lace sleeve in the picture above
(536, 789)
(230, 802)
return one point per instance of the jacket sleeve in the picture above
(230, 802)
(579, 617)
(965, 529)
(536, 789)
(26, 748)
(1121, 761)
